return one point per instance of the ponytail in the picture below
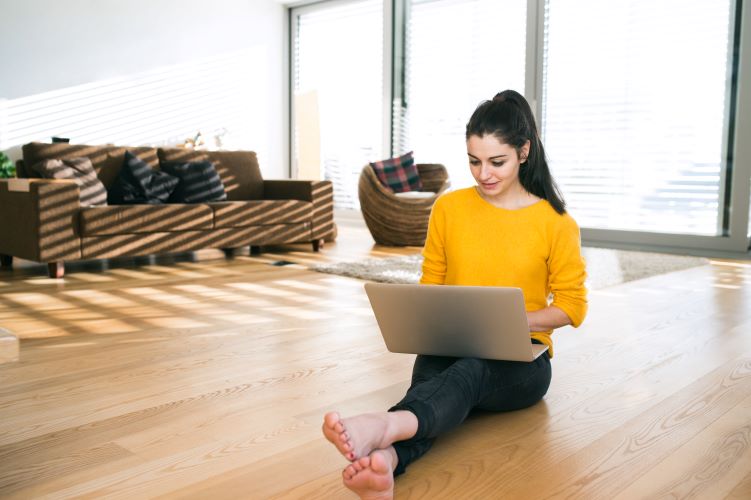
(509, 118)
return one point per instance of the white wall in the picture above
(146, 72)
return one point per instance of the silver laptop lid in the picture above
(460, 321)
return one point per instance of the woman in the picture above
(511, 229)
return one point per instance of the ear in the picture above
(524, 152)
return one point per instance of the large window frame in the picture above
(735, 184)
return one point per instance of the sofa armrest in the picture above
(39, 219)
(320, 193)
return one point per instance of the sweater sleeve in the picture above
(434, 252)
(567, 271)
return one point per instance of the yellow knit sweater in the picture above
(472, 242)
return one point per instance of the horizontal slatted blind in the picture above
(633, 111)
(338, 60)
(459, 52)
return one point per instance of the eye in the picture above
(474, 163)
(499, 163)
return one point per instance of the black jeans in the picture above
(445, 390)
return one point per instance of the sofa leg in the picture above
(318, 245)
(56, 270)
(255, 250)
(228, 252)
(6, 261)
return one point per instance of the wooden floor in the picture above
(208, 378)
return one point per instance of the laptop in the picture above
(460, 321)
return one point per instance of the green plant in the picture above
(7, 169)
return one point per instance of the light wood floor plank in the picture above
(712, 463)
(742, 491)
(209, 378)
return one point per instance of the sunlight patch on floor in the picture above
(67, 345)
(136, 274)
(99, 298)
(294, 312)
(89, 277)
(176, 322)
(37, 301)
(262, 289)
(300, 285)
(244, 319)
(105, 326)
(164, 297)
(75, 314)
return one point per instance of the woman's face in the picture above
(494, 165)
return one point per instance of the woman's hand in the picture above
(546, 319)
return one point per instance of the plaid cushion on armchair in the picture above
(398, 174)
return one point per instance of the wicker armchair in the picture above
(394, 220)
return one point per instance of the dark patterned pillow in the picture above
(80, 170)
(398, 174)
(199, 182)
(138, 183)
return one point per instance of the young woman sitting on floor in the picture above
(511, 229)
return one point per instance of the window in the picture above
(459, 53)
(338, 93)
(643, 106)
(634, 111)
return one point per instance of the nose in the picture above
(485, 170)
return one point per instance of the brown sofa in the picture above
(42, 219)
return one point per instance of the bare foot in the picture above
(356, 437)
(371, 477)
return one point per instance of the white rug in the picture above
(605, 267)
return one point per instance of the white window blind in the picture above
(459, 52)
(634, 111)
(338, 86)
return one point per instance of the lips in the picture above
(489, 185)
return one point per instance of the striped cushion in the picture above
(144, 219)
(80, 170)
(398, 174)
(261, 212)
(199, 182)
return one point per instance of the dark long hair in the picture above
(509, 118)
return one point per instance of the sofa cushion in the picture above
(199, 182)
(138, 183)
(107, 159)
(238, 170)
(258, 213)
(100, 247)
(139, 219)
(80, 170)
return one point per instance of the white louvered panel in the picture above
(339, 55)
(215, 96)
(459, 53)
(633, 112)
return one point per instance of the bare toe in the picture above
(333, 431)
(331, 419)
(349, 472)
(365, 433)
(374, 480)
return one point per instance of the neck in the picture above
(511, 199)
